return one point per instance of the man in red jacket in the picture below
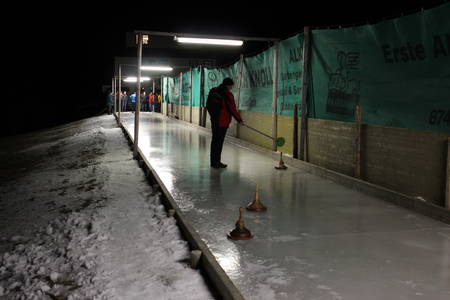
(221, 107)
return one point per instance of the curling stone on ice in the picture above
(240, 232)
(256, 204)
(281, 165)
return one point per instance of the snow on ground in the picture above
(78, 220)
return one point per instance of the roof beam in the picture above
(207, 36)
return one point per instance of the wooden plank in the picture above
(190, 96)
(295, 134)
(447, 188)
(180, 107)
(358, 141)
(238, 92)
(202, 93)
(200, 113)
(120, 91)
(304, 108)
(275, 97)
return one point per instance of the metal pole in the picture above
(274, 97)
(120, 91)
(190, 96)
(115, 95)
(295, 135)
(161, 86)
(447, 190)
(239, 84)
(138, 97)
(238, 92)
(167, 102)
(116, 86)
(112, 91)
(153, 103)
(358, 141)
(202, 97)
(304, 92)
(180, 108)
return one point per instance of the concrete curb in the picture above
(208, 264)
(415, 204)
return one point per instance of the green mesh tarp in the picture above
(185, 90)
(172, 90)
(398, 70)
(196, 87)
(257, 78)
(214, 77)
(164, 90)
(256, 88)
(290, 60)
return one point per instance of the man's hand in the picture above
(242, 123)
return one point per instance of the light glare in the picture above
(156, 68)
(134, 79)
(209, 41)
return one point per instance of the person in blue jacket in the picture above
(133, 101)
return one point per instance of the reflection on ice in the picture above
(230, 261)
(167, 178)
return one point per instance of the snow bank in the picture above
(54, 264)
(102, 231)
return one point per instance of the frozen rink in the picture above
(317, 240)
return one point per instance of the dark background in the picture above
(58, 57)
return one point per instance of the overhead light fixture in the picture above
(156, 68)
(134, 79)
(221, 42)
(145, 39)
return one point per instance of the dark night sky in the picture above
(58, 57)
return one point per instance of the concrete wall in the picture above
(330, 144)
(260, 121)
(196, 115)
(286, 130)
(408, 161)
(263, 122)
(164, 107)
(184, 111)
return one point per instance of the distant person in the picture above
(133, 102)
(154, 101)
(150, 101)
(125, 100)
(221, 107)
(110, 102)
(144, 102)
(158, 102)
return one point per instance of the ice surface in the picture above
(317, 240)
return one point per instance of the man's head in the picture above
(228, 82)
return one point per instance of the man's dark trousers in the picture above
(218, 137)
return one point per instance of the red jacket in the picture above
(221, 107)
(228, 109)
(150, 98)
